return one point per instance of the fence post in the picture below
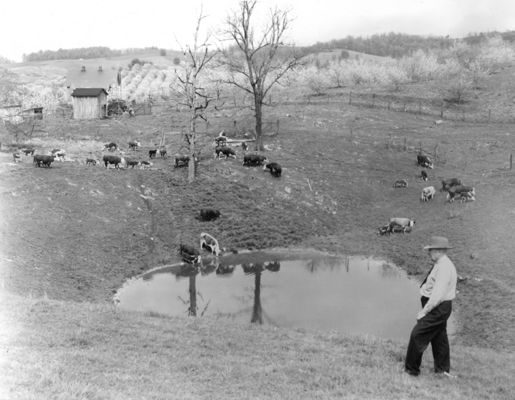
(405, 144)
(489, 114)
(436, 152)
(511, 161)
(441, 110)
(373, 99)
(277, 128)
(235, 131)
(350, 97)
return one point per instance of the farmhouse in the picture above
(89, 103)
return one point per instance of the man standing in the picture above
(437, 290)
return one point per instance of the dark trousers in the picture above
(430, 329)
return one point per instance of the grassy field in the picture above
(71, 235)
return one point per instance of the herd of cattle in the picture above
(453, 186)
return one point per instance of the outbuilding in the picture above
(89, 103)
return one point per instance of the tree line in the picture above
(82, 52)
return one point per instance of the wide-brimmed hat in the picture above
(438, 242)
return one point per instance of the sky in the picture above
(28, 26)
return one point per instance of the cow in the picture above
(152, 153)
(401, 225)
(462, 193)
(220, 141)
(43, 159)
(181, 161)
(423, 175)
(144, 164)
(16, 157)
(253, 160)
(424, 161)
(111, 146)
(91, 161)
(384, 230)
(449, 183)
(401, 183)
(209, 243)
(115, 160)
(244, 146)
(226, 151)
(189, 254)
(428, 193)
(59, 154)
(28, 151)
(208, 214)
(132, 163)
(162, 152)
(133, 145)
(275, 168)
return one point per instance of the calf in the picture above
(132, 163)
(449, 183)
(226, 151)
(111, 146)
(401, 224)
(181, 161)
(424, 161)
(209, 243)
(208, 214)
(162, 152)
(428, 193)
(115, 160)
(423, 175)
(462, 193)
(275, 169)
(45, 160)
(133, 145)
(189, 254)
(152, 153)
(91, 161)
(253, 160)
(401, 183)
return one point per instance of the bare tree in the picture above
(190, 91)
(255, 63)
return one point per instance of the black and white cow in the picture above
(115, 160)
(428, 193)
(59, 154)
(401, 225)
(133, 145)
(111, 146)
(189, 254)
(133, 163)
(208, 214)
(424, 161)
(181, 161)
(447, 184)
(209, 243)
(91, 161)
(423, 175)
(162, 152)
(253, 160)
(16, 157)
(461, 193)
(225, 151)
(275, 168)
(401, 183)
(43, 159)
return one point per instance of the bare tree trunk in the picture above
(192, 311)
(259, 124)
(191, 163)
(257, 311)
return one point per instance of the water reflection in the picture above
(352, 294)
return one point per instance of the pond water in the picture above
(355, 295)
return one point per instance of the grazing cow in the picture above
(461, 193)
(152, 153)
(189, 254)
(59, 154)
(423, 175)
(111, 146)
(28, 151)
(115, 160)
(181, 161)
(132, 163)
(447, 184)
(209, 243)
(208, 214)
(253, 160)
(133, 145)
(226, 151)
(424, 161)
(144, 164)
(220, 141)
(275, 169)
(401, 224)
(91, 161)
(428, 193)
(45, 160)
(162, 152)
(401, 183)
(16, 157)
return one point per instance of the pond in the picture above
(355, 295)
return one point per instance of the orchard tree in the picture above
(256, 62)
(191, 92)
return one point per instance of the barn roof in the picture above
(87, 92)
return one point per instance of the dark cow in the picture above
(133, 145)
(449, 183)
(189, 254)
(253, 160)
(115, 160)
(424, 161)
(181, 161)
(28, 151)
(208, 214)
(132, 163)
(423, 175)
(91, 161)
(275, 169)
(16, 157)
(244, 146)
(462, 193)
(226, 151)
(162, 152)
(220, 141)
(152, 153)
(111, 146)
(145, 164)
(45, 160)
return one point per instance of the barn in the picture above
(89, 103)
